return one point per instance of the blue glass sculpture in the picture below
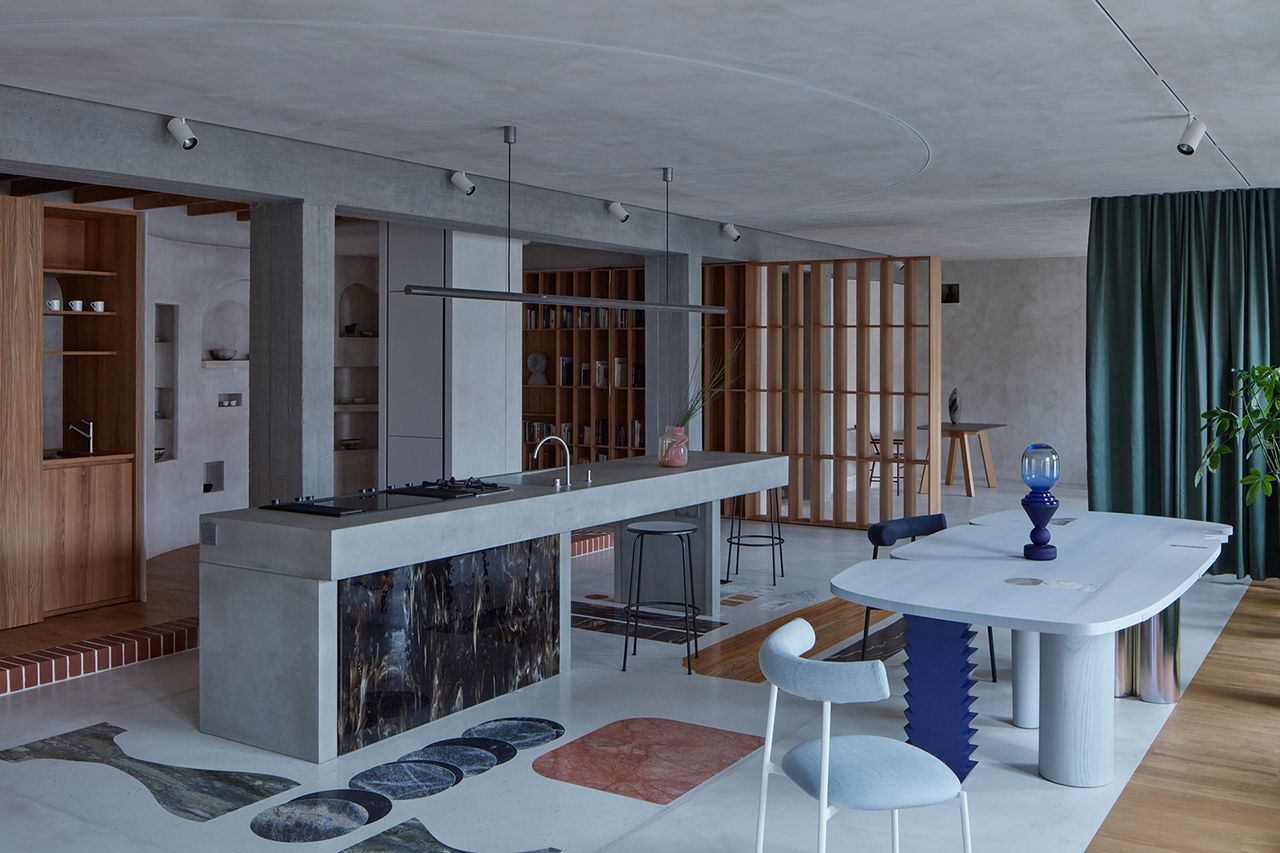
(1040, 473)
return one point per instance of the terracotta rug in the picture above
(646, 758)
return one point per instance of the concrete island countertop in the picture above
(326, 548)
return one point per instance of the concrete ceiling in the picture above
(969, 130)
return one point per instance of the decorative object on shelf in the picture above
(1040, 471)
(349, 330)
(537, 364)
(160, 451)
(97, 306)
(1251, 421)
(673, 444)
(222, 354)
(75, 305)
(53, 305)
(349, 443)
(366, 333)
(673, 448)
(953, 405)
(344, 401)
(359, 401)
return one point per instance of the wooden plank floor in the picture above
(173, 592)
(834, 621)
(1211, 781)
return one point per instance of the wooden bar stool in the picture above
(683, 532)
(772, 540)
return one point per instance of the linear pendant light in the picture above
(509, 137)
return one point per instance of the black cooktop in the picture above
(392, 497)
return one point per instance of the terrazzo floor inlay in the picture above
(471, 760)
(320, 816)
(187, 792)
(413, 837)
(520, 732)
(408, 780)
(309, 820)
(646, 758)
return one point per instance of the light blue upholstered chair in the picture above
(851, 771)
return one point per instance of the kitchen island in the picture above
(320, 635)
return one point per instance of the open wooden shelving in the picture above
(601, 413)
(829, 362)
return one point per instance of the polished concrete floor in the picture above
(62, 806)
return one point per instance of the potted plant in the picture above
(673, 446)
(1252, 423)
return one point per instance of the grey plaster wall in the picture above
(1014, 347)
(195, 264)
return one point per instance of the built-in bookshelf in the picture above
(591, 391)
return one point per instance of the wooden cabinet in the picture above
(88, 556)
(69, 528)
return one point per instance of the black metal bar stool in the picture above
(772, 540)
(683, 532)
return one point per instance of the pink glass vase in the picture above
(673, 448)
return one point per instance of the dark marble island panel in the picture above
(418, 642)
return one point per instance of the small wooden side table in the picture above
(959, 435)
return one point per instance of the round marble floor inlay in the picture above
(471, 760)
(315, 819)
(408, 780)
(520, 732)
(375, 804)
(500, 749)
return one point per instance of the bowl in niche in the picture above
(349, 443)
(222, 354)
(359, 401)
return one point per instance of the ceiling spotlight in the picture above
(462, 182)
(731, 232)
(619, 212)
(1191, 136)
(181, 131)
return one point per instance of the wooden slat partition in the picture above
(824, 340)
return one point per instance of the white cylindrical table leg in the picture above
(1026, 679)
(1077, 709)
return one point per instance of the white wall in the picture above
(482, 433)
(1014, 347)
(194, 263)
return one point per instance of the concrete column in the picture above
(291, 339)
(672, 345)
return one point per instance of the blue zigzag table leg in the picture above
(940, 691)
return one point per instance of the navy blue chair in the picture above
(887, 534)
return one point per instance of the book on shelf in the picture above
(566, 433)
(566, 371)
(621, 318)
(602, 318)
(584, 318)
(620, 435)
(566, 317)
(619, 372)
(602, 431)
(548, 317)
(531, 318)
(637, 433)
(602, 374)
(584, 434)
(585, 380)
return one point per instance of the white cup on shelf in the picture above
(75, 305)
(53, 305)
(98, 305)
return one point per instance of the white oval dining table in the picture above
(1113, 570)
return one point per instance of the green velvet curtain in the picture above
(1183, 288)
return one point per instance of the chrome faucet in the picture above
(568, 480)
(88, 434)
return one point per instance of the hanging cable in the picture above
(509, 137)
(667, 174)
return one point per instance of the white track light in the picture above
(731, 232)
(619, 212)
(1191, 136)
(181, 131)
(462, 182)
